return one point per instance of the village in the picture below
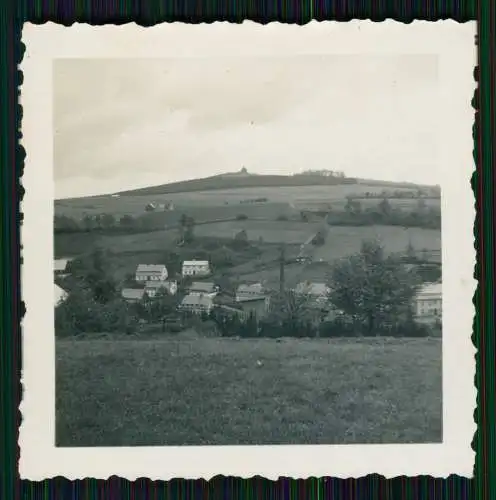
(201, 296)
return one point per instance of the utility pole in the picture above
(281, 270)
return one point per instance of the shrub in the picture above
(241, 217)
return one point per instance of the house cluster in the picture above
(153, 278)
(203, 296)
(166, 207)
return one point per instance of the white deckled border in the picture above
(454, 44)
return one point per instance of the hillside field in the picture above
(213, 392)
(271, 231)
(227, 202)
(345, 240)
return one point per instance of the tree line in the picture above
(386, 214)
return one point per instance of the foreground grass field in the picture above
(216, 391)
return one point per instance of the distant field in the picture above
(270, 231)
(299, 197)
(212, 392)
(200, 209)
(345, 240)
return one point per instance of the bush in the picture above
(241, 217)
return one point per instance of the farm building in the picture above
(153, 287)
(250, 292)
(258, 306)
(196, 268)
(197, 304)
(318, 292)
(428, 303)
(203, 288)
(60, 295)
(133, 294)
(151, 272)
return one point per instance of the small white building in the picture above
(151, 272)
(317, 292)
(59, 295)
(247, 292)
(196, 268)
(153, 287)
(203, 288)
(427, 303)
(197, 304)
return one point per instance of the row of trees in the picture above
(385, 213)
(109, 222)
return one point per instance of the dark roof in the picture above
(202, 286)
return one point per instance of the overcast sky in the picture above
(123, 124)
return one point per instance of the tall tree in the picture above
(385, 207)
(289, 311)
(372, 288)
(94, 271)
(187, 226)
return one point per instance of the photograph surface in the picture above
(250, 248)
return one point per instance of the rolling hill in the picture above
(238, 180)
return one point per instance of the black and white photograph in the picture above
(251, 250)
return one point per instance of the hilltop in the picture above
(239, 180)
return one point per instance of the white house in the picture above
(197, 304)
(151, 272)
(318, 292)
(427, 303)
(246, 292)
(196, 268)
(152, 287)
(203, 288)
(60, 295)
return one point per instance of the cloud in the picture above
(129, 123)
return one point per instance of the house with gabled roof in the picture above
(151, 272)
(428, 303)
(195, 268)
(197, 304)
(317, 292)
(133, 294)
(60, 267)
(152, 288)
(253, 291)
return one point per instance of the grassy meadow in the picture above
(345, 240)
(217, 391)
(270, 231)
